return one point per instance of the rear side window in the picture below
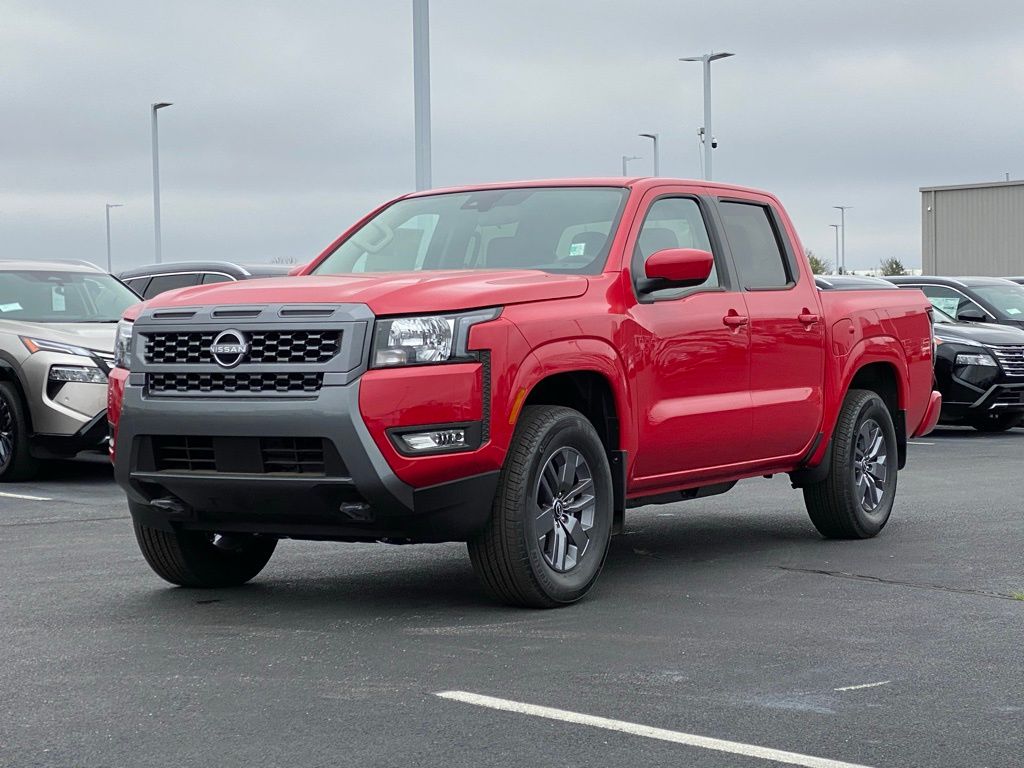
(755, 246)
(215, 277)
(162, 283)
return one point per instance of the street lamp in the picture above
(156, 176)
(421, 90)
(625, 162)
(109, 206)
(842, 223)
(708, 136)
(654, 138)
(836, 228)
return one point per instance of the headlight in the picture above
(123, 345)
(45, 345)
(420, 340)
(77, 373)
(975, 359)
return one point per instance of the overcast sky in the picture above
(291, 119)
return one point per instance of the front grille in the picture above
(184, 453)
(190, 383)
(1011, 359)
(193, 347)
(242, 455)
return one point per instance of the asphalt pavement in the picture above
(727, 618)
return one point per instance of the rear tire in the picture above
(16, 461)
(203, 560)
(548, 535)
(999, 422)
(856, 498)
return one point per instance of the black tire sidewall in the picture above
(576, 432)
(20, 464)
(870, 525)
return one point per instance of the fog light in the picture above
(77, 373)
(440, 439)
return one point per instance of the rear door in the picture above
(787, 331)
(691, 348)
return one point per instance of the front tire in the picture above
(856, 498)
(203, 560)
(998, 422)
(548, 535)
(16, 461)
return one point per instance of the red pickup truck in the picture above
(514, 366)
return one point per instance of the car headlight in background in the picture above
(975, 359)
(77, 373)
(45, 345)
(424, 340)
(123, 345)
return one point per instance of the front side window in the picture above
(1008, 299)
(755, 246)
(163, 283)
(553, 229)
(948, 300)
(671, 222)
(63, 297)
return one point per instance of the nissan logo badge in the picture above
(229, 348)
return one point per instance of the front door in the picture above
(691, 351)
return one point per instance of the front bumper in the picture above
(92, 437)
(358, 499)
(998, 398)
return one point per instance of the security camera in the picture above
(714, 143)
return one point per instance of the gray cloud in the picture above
(292, 119)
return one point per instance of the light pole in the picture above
(156, 176)
(709, 137)
(625, 162)
(421, 89)
(836, 228)
(842, 223)
(657, 163)
(109, 206)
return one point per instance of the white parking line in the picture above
(918, 442)
(23, 496)
(864, 685)
(661, 734)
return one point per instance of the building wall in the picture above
(973, 229)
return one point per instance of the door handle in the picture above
(808, 318)
(734, 320)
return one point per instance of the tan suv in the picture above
(57, 326)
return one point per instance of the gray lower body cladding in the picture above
(354, 496)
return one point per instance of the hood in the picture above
(95, 336)
(981, 333)
(389, 293)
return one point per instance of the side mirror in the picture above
(971, 314)
(679, 267)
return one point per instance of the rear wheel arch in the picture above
(884, 380)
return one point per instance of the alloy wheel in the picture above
(870, 465)
(7, 432)
(565, 509)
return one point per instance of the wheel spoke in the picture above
(544, 521)
(876, 445)
(559, 548)
(583, 485)
(577, 536)
(569, 461)
(580, 504)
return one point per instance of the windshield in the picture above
(1008, 299)
(554, 229)
(63, 297)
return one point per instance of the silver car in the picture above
(57, 326)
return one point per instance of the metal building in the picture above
(973, 229)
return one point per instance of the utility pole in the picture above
(108, 207)
(156, 178)
(625, 162)
(708, 136)
(842, 223)
(836, 228)
(657, 160)
(421, 90)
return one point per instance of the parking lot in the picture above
(727, 618)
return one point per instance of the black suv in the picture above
(979, 368)
(972, 299)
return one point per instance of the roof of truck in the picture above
(597, 181)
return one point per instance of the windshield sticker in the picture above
(577, 249)
(59, 304)
(15, 307)
(1013, 311)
